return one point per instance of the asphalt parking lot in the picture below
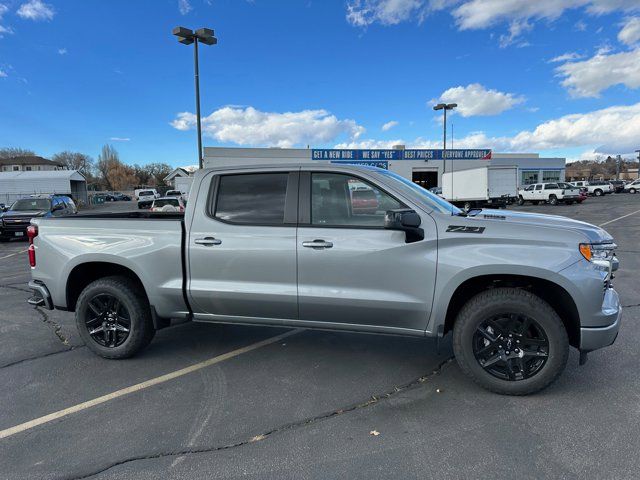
(305, 405)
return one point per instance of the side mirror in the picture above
(407, 221)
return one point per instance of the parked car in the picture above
(146, 198)
(138, 191)
(552, 193)
(3, 207)
(174, 193)
(280, 246)
(594, 187)
(582, 191)
(117, 197)
(632, 187)
(364, 201)
(14, 222)
(618, 185)
(168, 204)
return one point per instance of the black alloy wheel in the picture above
(511, 347)
(108, 320)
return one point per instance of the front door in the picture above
(351, 271)
(242, 247)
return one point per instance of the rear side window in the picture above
(551, 186)
(146, 193)
(252, 199)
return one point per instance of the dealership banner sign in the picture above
(382, 155)
(384, 165)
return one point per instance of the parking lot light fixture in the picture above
(444, 107)
(187, 37)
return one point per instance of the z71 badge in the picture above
(463, 229)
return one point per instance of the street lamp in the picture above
(187, 37)
(444, 107)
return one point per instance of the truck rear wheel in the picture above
(598, 193)
(510, 341)
(113, 317)
(553, 200)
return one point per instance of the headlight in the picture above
(594, 252)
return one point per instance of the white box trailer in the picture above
(494, 186)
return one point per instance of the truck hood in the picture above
(593, 233)
(22, 214)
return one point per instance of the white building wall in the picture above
(527, 163)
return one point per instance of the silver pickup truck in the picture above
(343, 248)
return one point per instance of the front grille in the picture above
(17, 225)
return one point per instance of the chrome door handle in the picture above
(317, 244)
(208, 241)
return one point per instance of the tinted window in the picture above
(343, 200)
(31, 204)
(529, 188)
(551, 186)
(145, 193)
(252, 199)
(538, 187)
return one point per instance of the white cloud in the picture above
(389, 125)
(184, 6)
(248, 126)
(62, 51)
(36, 10)
(5, 31)
(120, 139)
(613, 129)
(387, 12)
(630, 33)
(566, 57)
(481, 14)
(589, 77)
(474, 99)
(3, 74)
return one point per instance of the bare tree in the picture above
(75, 161)
(10, 152)
(113, 173)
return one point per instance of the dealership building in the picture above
(423, 166)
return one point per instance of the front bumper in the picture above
(593, 338)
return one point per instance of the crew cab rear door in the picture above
(242, 247)
(351, 271)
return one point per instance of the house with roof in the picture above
(180, 179)
(29, 163)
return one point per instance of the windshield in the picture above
(166, 201)
(31, 204)
(172, 193)
(431, 200)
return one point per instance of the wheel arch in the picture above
(554, 294)
(85, 273)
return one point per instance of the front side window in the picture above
(257, 199)
(529, 188)
(343, 201)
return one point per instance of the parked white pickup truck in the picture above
(597, 188)
(552, 193)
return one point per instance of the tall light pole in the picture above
(444, 107)
(187, 37)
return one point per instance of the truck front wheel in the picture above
(113, 317)
(510, 341)
(520, 200)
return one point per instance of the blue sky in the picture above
(75, 75)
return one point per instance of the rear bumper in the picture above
(593, 338)
(41, 296)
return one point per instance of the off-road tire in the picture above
(510, 300)
(134, 300)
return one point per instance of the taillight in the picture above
(32, 232)
(181, 209)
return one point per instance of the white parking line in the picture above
(13, 254)
(619, 218)
(140, 386)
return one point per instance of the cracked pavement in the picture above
(304, 407)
